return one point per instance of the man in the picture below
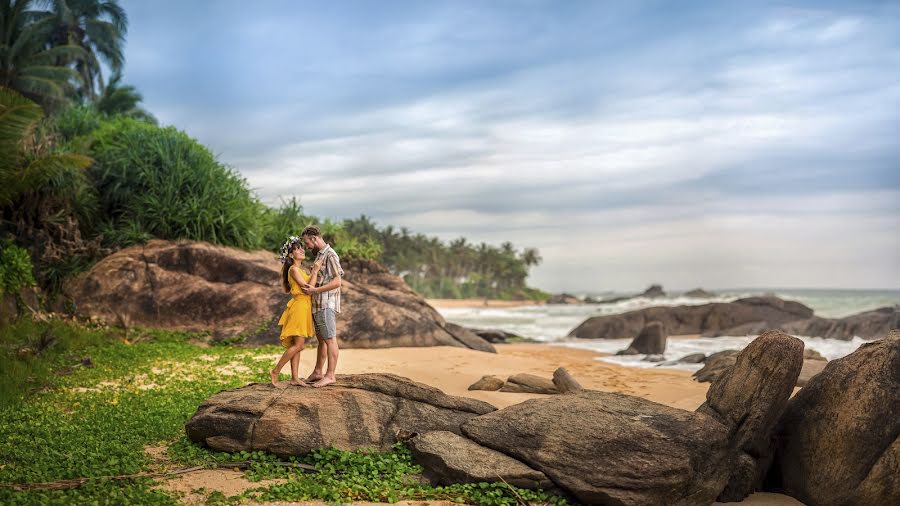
(326, 304)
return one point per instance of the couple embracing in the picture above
(313, 308)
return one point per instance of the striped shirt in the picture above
(331, 268)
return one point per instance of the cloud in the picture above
(628, 141)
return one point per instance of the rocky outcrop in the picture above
(716, 364)
(693, 358)
(201, 287)
(651, 341)
(487, 383)
(699, 293)
(493, 336)
(529, 384)
(749, 398)
(449, 458)
(563, 298)
(607, 448)
(698, 319)
(653, 292)
(360, 411)
(867, 325)
(839, 438)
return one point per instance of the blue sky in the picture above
(715, 144)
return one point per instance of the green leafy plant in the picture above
(15, 268)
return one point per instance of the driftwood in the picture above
(564, 382)
(77, 482)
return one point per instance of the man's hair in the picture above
(311, 231)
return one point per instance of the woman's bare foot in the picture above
(298, 383)
(314, 378)
(323, 382)
(274, 375)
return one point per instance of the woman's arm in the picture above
(297, 274)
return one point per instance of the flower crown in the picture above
(286, 247)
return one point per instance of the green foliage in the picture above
(282, 222)
(118, 99)
(159, 182)
(15, 268)
(68, 420)
(77, 121)
(350, 246)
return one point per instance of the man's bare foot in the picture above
(323, 382)
(298, 383)
(274, 375)
(314, 378)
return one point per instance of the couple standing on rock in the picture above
(313, 308)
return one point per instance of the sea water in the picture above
(552, 323)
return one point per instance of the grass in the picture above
(62, 419)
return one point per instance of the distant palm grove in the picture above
(85, 170)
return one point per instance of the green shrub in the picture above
(15, 268)
(78, 121)
(159, 182)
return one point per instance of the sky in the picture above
(718, 144)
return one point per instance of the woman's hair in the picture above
(286, 265)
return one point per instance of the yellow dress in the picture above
(297, 317)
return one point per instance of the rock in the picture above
(564, 382)
(697, 319)
(839, 439)
(469, 339)
(693, 358)
(811, 354)
(628, 351)
(715, 365)
(607, 448)
(592, 300)
(745, 329)
(496, 336)
(653, 292)
(449, 458)
(197, 286)
(563, 298)
(749, 398)
(488, 383)
(810, 368)
(651, 340)
(867, 325)
(654, 358)
(699, 293)
(530, 384)
(359, 411)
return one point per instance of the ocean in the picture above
(552, 323)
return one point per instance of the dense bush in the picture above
(160, 183)
(15, 268)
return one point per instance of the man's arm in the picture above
(331, 285)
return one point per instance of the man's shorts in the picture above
(326, 323)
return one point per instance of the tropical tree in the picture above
(98, 27)
(27, 65)
(117, 99)
(24, 168)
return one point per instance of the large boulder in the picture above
(197, 286)
(449, 458)
(651, 341)
(749, 398)
(607, 448)
(867, 325)
(487, 383)
(359, 411)
(653, 292)
(839, 438)
(697, 319)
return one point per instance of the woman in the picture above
(296, 321)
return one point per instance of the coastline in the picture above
(480, 303)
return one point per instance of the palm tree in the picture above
(24, 170)
(26, 65)
(122, 100)
(98, 27)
